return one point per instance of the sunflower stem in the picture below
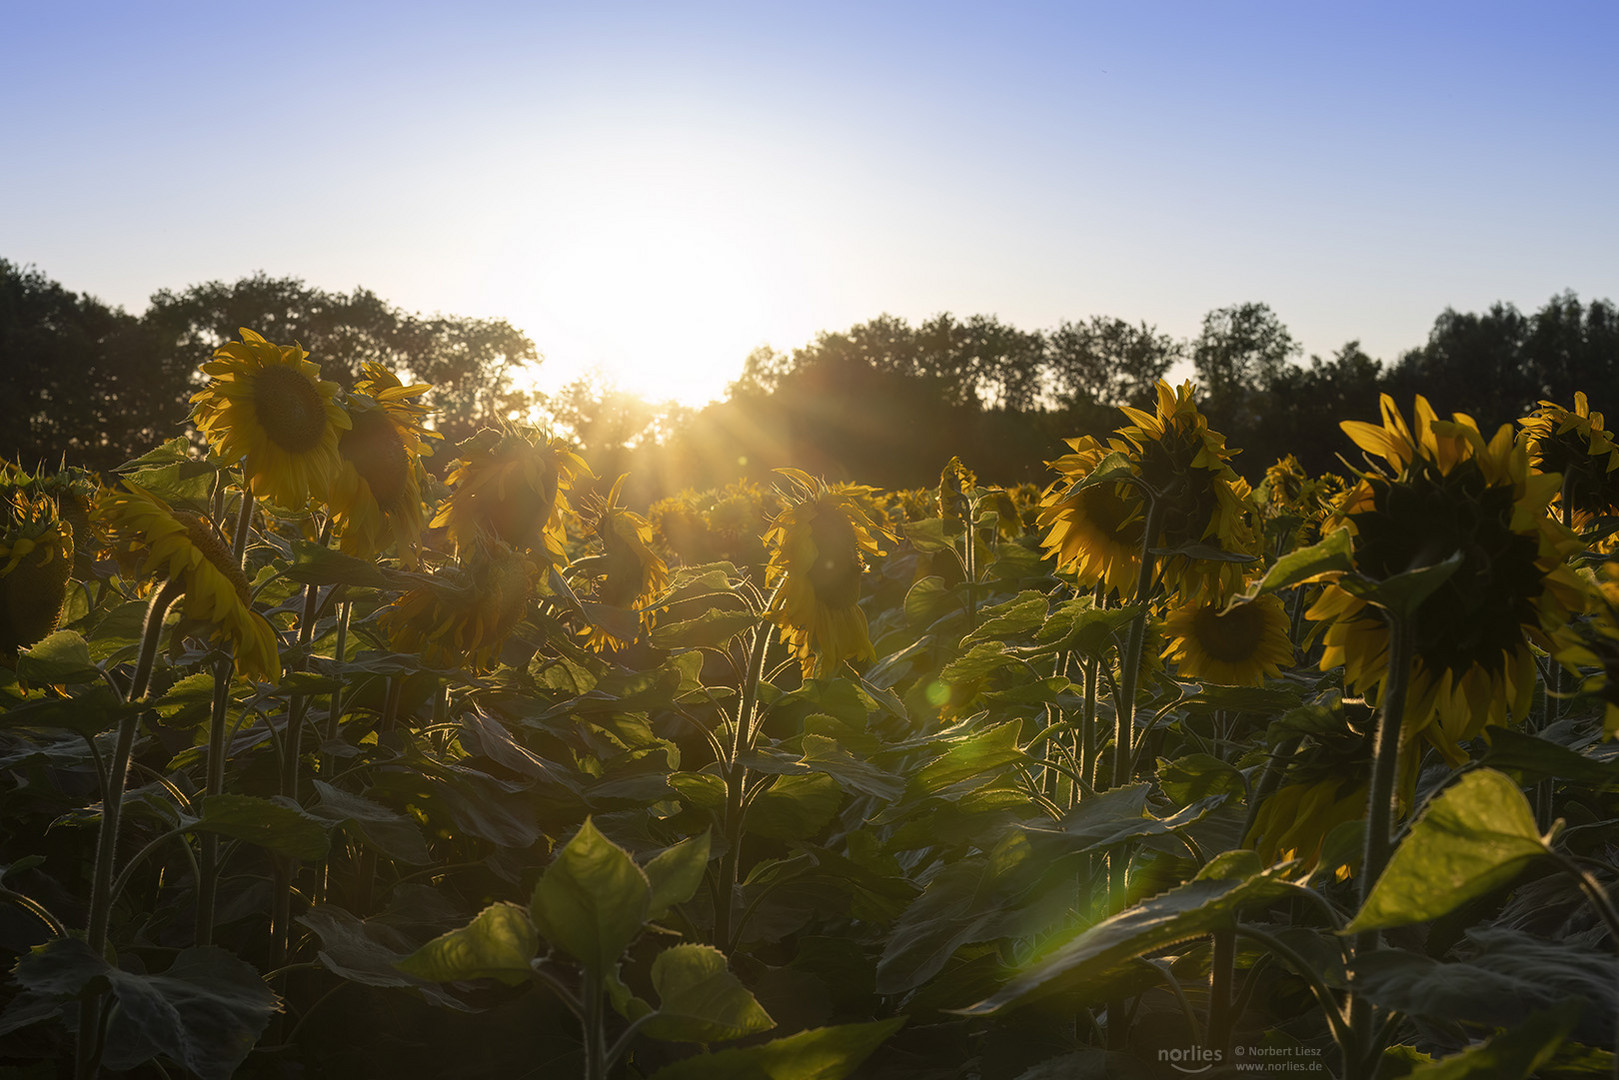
(1222, 974)
(742, 737)
(208, 874)
(112, 801)
(1380, 801)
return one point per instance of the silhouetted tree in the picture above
(1241, 350)
(1107, 361)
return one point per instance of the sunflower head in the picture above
(1240, 646)
(1094, 532)
(956, 483)
(376, 494)
(1592, 651)
(266, 406)
(462, 617)
(36, 562)
(816, 547)
(1204, 502)
(1574, 444)
(629, 574)
(1293, 822)
(1447, 493)
(511, 486)
(181, 546)
(1097, 531)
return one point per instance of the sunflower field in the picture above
(315, 765)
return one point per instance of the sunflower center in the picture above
(1112, 512)
(206, 539)
(378, 454)
(1477, 617)
(835, 574)
(1232, 638)
(289, 408)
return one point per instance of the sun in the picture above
(656, 266)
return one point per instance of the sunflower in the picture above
(1242, 646)
(629, 573)
(267, 406)
(956, 483)
(36, 561)
(1094, 532)
(1446, 491)
(1595, 651)
(377, 493)
(815, 564)
(1294, 821)
(1097, 531)
(1205, 503)
(188, 548)
(511, 486)
(464, 614)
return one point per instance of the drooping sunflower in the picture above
(628, 573)
(1097, 532)
(1444, 492)
(815, 565)
(1593, 650)
(1205, 503)
(1240, 647)
(36, 562)
(1294, 821)
(511, 486)
(376, 494)
(179, 545)
(462, 617)
(267, 406)
(1574, 444)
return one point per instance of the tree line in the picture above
(884, 402)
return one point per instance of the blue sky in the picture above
(656, 189)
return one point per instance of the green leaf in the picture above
(498, 943)
(927, 600)
(1024, 612)
(1081, 627)
(675, 873)
(1208, 902)
(712, 628)
(204, 1013)
(699, 1000)
(277, 825)
(829, 1053)
(1333, 554)
(592, 900)
(91, 711)
(63, 657)
(317, 564)
(1506, 976)
(1511, 1055)
(392, 833)
(985, 754)
(368, 952)
(705, 791)
(794, 807)
(858, 777)
(1195, 776)
(1535, 758)
(984, 658)
(927, 535)
(1476, 836)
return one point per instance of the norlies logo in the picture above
(1191, 1059)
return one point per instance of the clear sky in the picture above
(655, 189)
